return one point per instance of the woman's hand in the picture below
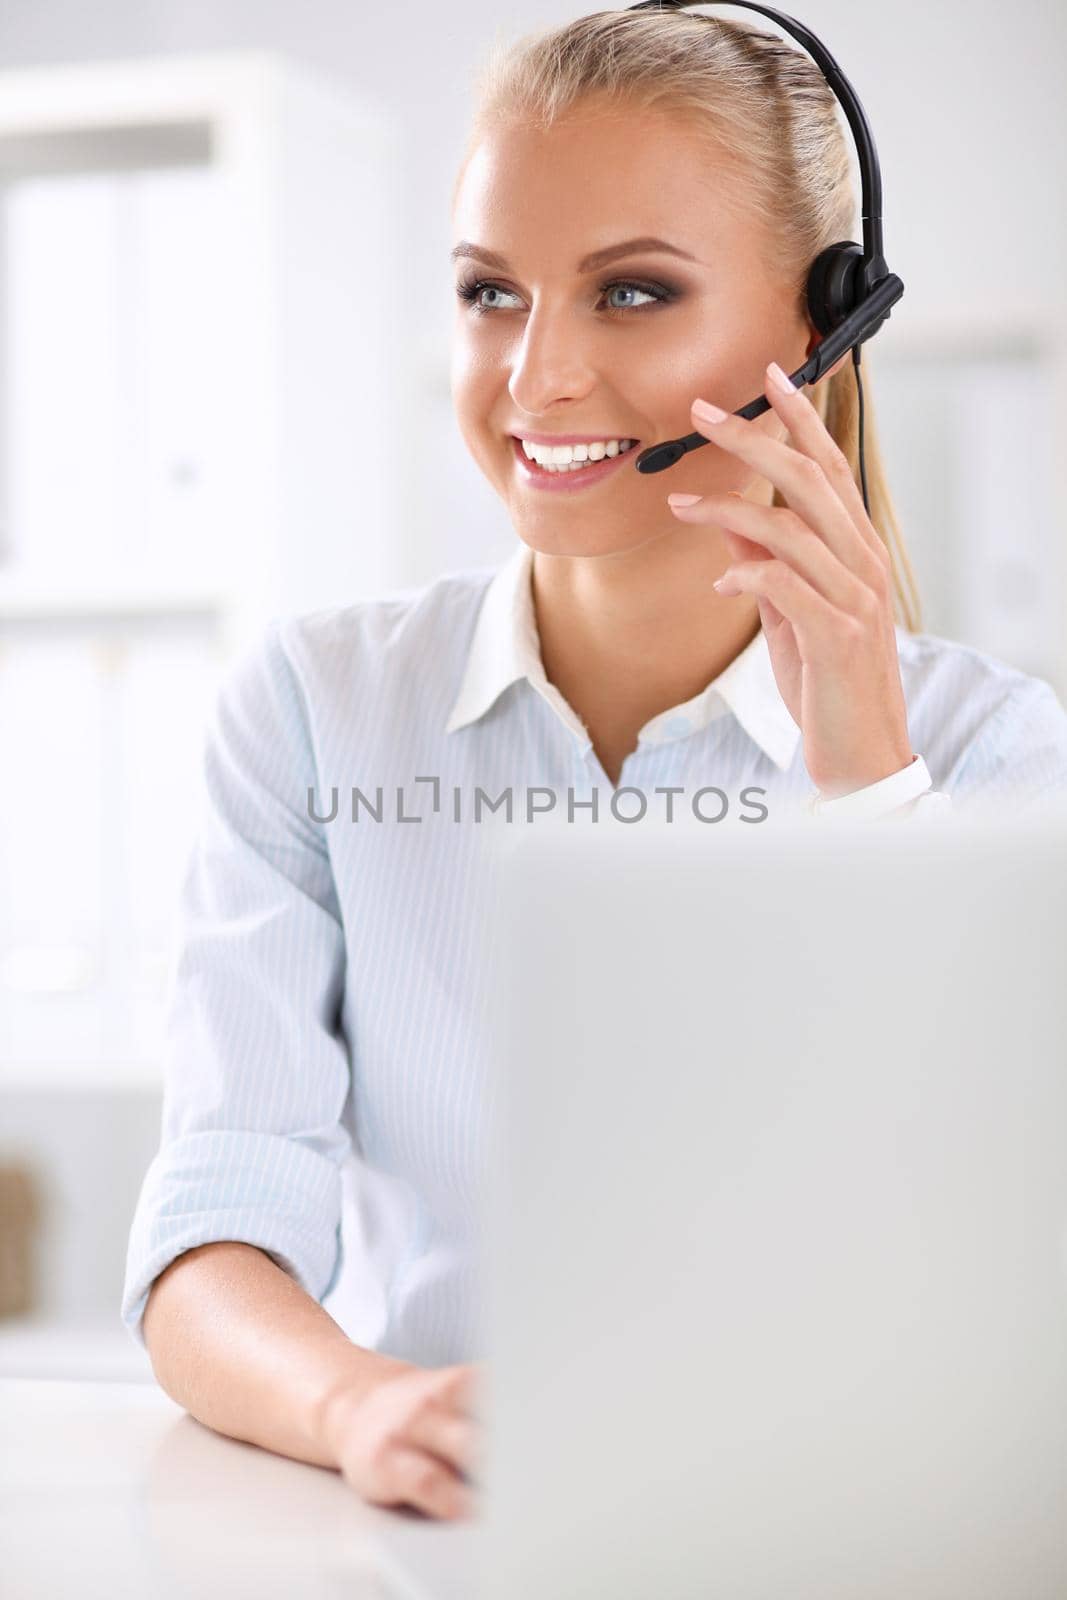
(411, 1438)
(822, 581)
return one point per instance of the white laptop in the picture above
(779, 1277)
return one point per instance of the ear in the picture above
(815, 340)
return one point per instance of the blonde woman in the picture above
(327, 1011)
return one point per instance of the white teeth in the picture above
(568, 458)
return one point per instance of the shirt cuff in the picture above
(934, 803)
(264, 1189)
(881, 798)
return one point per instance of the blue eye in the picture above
(472, 291)
(478, 289)
(628, 288)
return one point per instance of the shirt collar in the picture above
(505, 647)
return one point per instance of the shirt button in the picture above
(676, 726)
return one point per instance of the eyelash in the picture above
(470, 289)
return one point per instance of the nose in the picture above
(554, 363)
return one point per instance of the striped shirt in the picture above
(326, 1084)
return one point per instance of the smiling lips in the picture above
(568, 462)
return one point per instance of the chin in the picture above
(572, 541)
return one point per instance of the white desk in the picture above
(111, 1490)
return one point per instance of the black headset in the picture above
(850, 290)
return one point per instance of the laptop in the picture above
(778, 1242)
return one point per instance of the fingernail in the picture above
(709, 413)
(780, 379)
(683, 499)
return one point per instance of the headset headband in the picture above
(870, 171)
(850, 290)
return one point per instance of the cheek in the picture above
(681, 358)
(460, 370)
(473, 379)
(475, 406)
(709, 343)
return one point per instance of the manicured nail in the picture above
(780, 379)
(709, 413)
(683, 499)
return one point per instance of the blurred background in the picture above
(225, 310)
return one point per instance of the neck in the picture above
(627, 635)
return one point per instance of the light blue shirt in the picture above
(326, 1073)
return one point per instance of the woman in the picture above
(328, 997)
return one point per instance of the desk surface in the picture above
(111, 1489)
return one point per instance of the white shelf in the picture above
(93, 1350)
(970, 334)
(78, 1077)
(23, 600)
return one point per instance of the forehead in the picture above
(595, 177)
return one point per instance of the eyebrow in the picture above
(590, 263)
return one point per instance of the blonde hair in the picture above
(769, 109)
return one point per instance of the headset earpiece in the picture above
(835, 284)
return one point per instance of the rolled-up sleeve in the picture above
(256, 1068)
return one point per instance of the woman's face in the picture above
(553, 345)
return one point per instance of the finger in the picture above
(770, 616)
(811, 435)
(461, 1387)
(798, 477)
(742, 549)
(781, 531)
(456, 1439)
(823, 631)
(427, 1484)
